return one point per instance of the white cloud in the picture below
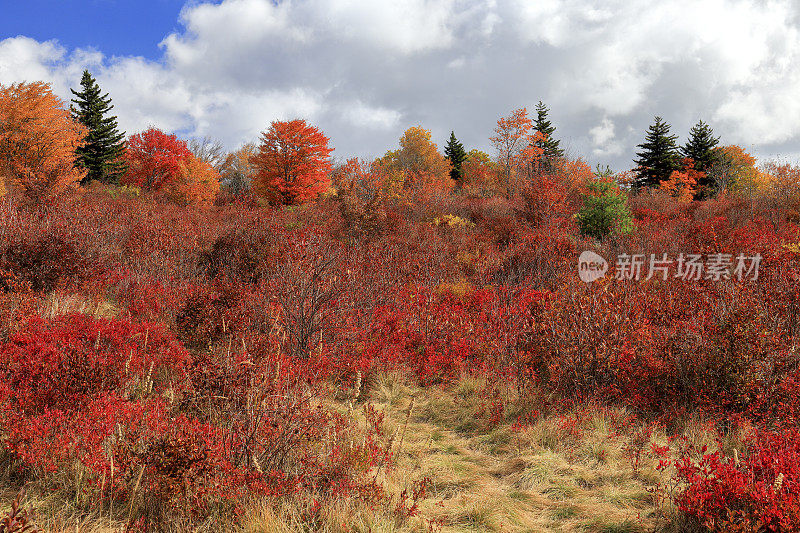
(562, 23)
(24, 59)
(457, 62)
(604, 139)
(406, 26)
(239, 118)
(362, 115)
(219, 35)
(490, 21)
(363, 70)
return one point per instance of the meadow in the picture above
(435, 366)
(271, 340)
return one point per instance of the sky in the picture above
(364, 71)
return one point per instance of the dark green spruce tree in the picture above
(700, 148)
(550, 144)
(455, 153)
(101, 156)
(659, 156)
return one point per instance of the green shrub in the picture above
(605, 211)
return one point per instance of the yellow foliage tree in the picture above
(782, 188)
(417, 166)
(734, 170)
(238, 172)
(38, 139)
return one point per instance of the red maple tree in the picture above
(154, 159)
(292, 165)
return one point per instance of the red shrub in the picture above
(43, 264)
(758, 492)
(148, 301)
(210, 313)
(425, 329)
(64, 362)
(237, 255)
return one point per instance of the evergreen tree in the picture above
(659, 155)
(700, 148)
(550, 144)
(102, 154)
(455, 153)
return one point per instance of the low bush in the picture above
(43, 264)
(757, 489)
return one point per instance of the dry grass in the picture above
(539, 478)
(57, 304)
(503, 479)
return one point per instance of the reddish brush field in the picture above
(257, 368)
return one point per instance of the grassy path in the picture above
(546, 477)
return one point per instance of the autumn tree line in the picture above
(166, 367)
(47, 148)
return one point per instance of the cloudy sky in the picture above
(365, 70)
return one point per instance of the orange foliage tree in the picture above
(197, 183)
(292, 165)
(518, 148)
(38, 139)
(531, 156)
(480, 174)
(508, 140)
(682, 184)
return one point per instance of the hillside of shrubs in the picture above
(203, 341)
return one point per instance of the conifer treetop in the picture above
(659, 155)
(102, 153)
(549, 145)
(455, 153)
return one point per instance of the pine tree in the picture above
(700, 148)
(455, 153)
(550, 144)
(102, 154)
(659, 155)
